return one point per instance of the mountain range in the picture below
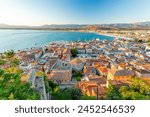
(137, 25)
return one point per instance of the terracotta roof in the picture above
(50, 63)
(97, 79)
(76, 61)
(60, 75)
(142, 71)
(101, 90)
(103, 69)
(89, 69)
(91, 85)
(87, 83)
(96, 64)
(123, 72)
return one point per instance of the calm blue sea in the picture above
(22, 39)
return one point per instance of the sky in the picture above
(40, 12)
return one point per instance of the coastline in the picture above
(106, 34)
(77, 31)
(115, 36)
(67, 30)
(36, 40)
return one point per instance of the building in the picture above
(102, 70)
(89, 70)
(66, 54)
(120, 75)
(91, 88)
(60, 76)
(77, 64)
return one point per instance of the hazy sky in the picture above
(38, 12)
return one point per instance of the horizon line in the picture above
(75, 23)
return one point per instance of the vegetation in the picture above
(15, 62)
(11, 88)
(62, 94)
(113, 93)
(74, 52)
(52, 85)
(46, 85)
(14, 70)
(138, 90)
(77, 75)
(9, 54)
(2, 62)
(85, 97)
(78, 78)
(40, 73)
(67, 94)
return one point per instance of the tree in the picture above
(67, 94)
(10, 53)
(124, 92)
(12, 88)
(78, 78)
(75, 93)
(77, 75)
(2, 62)
(85, 97)
(11, 97)
(1, 72)
(74, 52)
(52, 85)
(138, 90)
(61, 95)
(14, 70)
(113, 93)
(15, 62)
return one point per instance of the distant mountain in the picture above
(143, 23)
(137, 25)
(53, 26)
(11, 26)
(63, 26)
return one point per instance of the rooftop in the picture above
(76, 61)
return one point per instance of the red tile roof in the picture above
(66, 51)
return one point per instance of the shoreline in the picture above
(115, 36)
(80, 31)
(69, 30)
(109, 35)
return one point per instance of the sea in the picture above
(23, 39)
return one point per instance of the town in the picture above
(88, 67)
